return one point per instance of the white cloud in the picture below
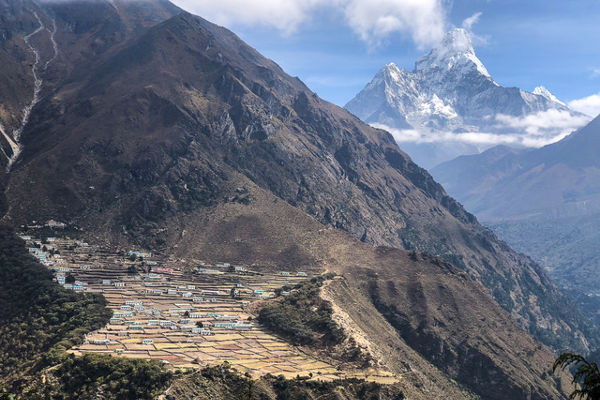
(472, 20)
(284, 15)
(589, 105)
(543, 123)
(483, 139)
(372, 20)
(595, 72)
(534, 130)
(468, 23)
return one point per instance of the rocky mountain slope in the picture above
(418, 316)
(127, 146)
(429, 350)
(176, 135)
(33, 59)
(447, 105)
(566, 247)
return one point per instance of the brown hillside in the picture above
(419, 316)
(156, 125)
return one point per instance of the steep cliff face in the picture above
(155, 129)
(37, 54)
(21, 33)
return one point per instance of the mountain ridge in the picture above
(182, 127)
(560, 175)
(91, 160)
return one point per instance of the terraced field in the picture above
(183, 312)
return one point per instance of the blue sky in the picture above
(336, 49)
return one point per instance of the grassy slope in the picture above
(303, 317)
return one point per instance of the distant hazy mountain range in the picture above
(560, 179)
(449, 105)
(545, 202)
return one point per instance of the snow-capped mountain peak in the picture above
(449, 105)
(392, 71)
(542, 91)
(454, 51)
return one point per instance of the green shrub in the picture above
(117, 378)
(302, 317)
(38, 318)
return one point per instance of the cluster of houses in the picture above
(157, 304)
(55, 224)
(43, 256)
(298, 274)
(140, 254)
(136, 318)
(184, 314)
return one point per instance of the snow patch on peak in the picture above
(393, 71)
(437, 107)
(451, 103)
(542, 91)
(455, 50)
(390, 69)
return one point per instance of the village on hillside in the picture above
(187, 317)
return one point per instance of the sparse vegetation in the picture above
(39, 320)
(303, 317)
(567, 247)
(224, 383)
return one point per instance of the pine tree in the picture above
(586, 376)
